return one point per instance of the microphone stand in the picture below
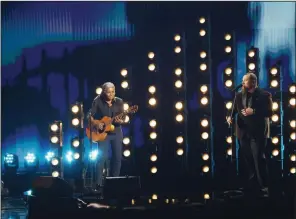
(93, 163)
(233, 193)
(232, 108)
(234, 100)
(233, 157)
(91, 146)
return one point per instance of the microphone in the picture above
(237, 88)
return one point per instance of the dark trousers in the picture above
(115, 140)
(254, 162)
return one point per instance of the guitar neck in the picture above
(133, 109)
(119, 115)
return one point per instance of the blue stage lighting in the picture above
(8, 158)
(30, 158)
(28, 193)
(69, 156)
(11, 162)
(31, 161)
(93, 155)
(49, 156)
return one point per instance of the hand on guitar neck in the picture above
(118, 120)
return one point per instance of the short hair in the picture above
(252, 77)
(107, 85)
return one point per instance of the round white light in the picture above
(124, 84)
(152, 101)
(123, 72)
(152, 89)
(180, 151)
(202, 32)
(177, 37)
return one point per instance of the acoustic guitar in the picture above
(96, 134)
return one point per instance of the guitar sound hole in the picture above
(94, 129)
(104, 127)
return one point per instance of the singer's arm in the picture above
(93, 110)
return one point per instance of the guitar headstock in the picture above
(133, 109)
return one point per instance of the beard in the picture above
(247, 88)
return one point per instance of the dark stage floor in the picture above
(219, 206)
(176, 198)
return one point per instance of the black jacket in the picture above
(256, 125)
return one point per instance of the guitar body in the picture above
(100, 135)
(97, 135)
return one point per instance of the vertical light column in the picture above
(179, 97)
(253, 61)
(56, 143)
(76, 154)
(275, 82)
(229, 52)
(205, 131)
(229, 56)
(290, 132)
(153, 115)
(126, 86)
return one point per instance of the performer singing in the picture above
(254, 108)
(107, 104)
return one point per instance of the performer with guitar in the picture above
(106, 116)
(107, 105)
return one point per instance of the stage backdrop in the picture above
(39, 40)
(55, 53)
